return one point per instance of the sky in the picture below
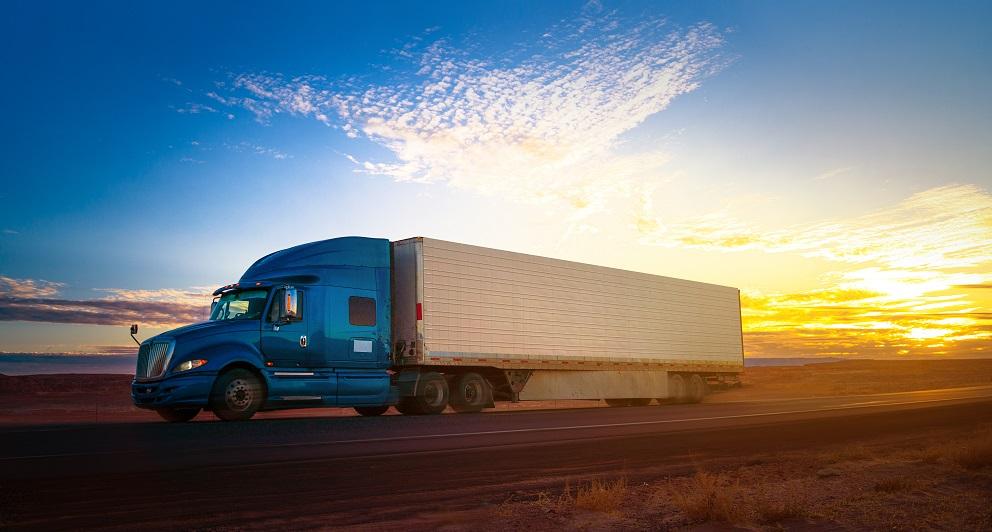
(829, 159)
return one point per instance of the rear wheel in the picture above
(371, 411)
(177, 415)
(431, 396)
(697, 389)
(237, 395)
(470, 394)
(677, 391)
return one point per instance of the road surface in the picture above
(307, 472)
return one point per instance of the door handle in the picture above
(303, 341)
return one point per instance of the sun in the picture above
(923, 333)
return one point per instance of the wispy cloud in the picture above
(904, 282)
(27, 288)
(192, 108)
(833, 173)
(258, 149)
(542, 122)
(37, 300)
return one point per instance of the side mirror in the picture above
(134, 331)
(290, 309)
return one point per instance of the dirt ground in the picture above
(44, 399)
(939, 480)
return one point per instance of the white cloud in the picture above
(258, 149)
(541, 123)
(193, 108)
(28, 288)
(946, 227)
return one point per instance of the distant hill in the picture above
(52, 363)
(758, 362)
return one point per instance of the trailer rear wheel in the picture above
(237, 395)
(470, 394)
(371, 411)
(177, 415)
(677, 388)
(697, 388)
(431, 396)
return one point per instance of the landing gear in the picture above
(237, 395)
(431, 396)
(177, 415)
(471, 393)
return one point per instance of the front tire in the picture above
(371, 411)
(237, 395)
(177, 415)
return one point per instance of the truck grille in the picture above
(152, 360)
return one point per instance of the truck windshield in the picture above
(243, 305)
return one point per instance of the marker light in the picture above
(190, 364)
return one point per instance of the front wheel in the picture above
(371, 411)
(237, 395)
(177, 415)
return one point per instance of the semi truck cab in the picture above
(305, 326)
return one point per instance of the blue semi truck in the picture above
(423, 325)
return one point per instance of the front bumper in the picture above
(173, 391)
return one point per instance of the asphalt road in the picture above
(308, 472)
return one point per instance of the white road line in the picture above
(507, 431)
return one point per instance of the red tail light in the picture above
(420, 311)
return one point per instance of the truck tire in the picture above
(371, 411)
(177, 415)
(677, 391)
(470, 394)
(697, 388)
(431, 397)
(237, 395)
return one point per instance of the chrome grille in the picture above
(153, 359)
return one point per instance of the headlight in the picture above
(190, 364)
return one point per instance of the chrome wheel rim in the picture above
(238, 394)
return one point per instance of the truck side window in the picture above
(277, 304)
(361, 310)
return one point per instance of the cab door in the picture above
(285, 334)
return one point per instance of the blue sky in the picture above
(152, 150)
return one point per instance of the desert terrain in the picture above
(99, 398)
(833, 446)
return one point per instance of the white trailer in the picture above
(471, 324)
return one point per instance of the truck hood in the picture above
(203, 329)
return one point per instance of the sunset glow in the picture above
(846, 194)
